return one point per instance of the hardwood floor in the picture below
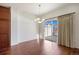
(43, 47)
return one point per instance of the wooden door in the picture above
(4, 28)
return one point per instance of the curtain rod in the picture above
(62, 15)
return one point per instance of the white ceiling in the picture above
(33, 7)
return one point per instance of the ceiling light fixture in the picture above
(39, 20)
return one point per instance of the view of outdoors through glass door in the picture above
(51, 30)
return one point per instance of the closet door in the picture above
(4, 28)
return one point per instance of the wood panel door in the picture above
(4, 28)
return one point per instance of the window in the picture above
(48, 30)
(50, 27)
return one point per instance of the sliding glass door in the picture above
(51, 29)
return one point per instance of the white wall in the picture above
(23, 28)
(26, 28)
(64, 10)
(14, 29)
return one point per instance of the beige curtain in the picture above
(65, 31)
